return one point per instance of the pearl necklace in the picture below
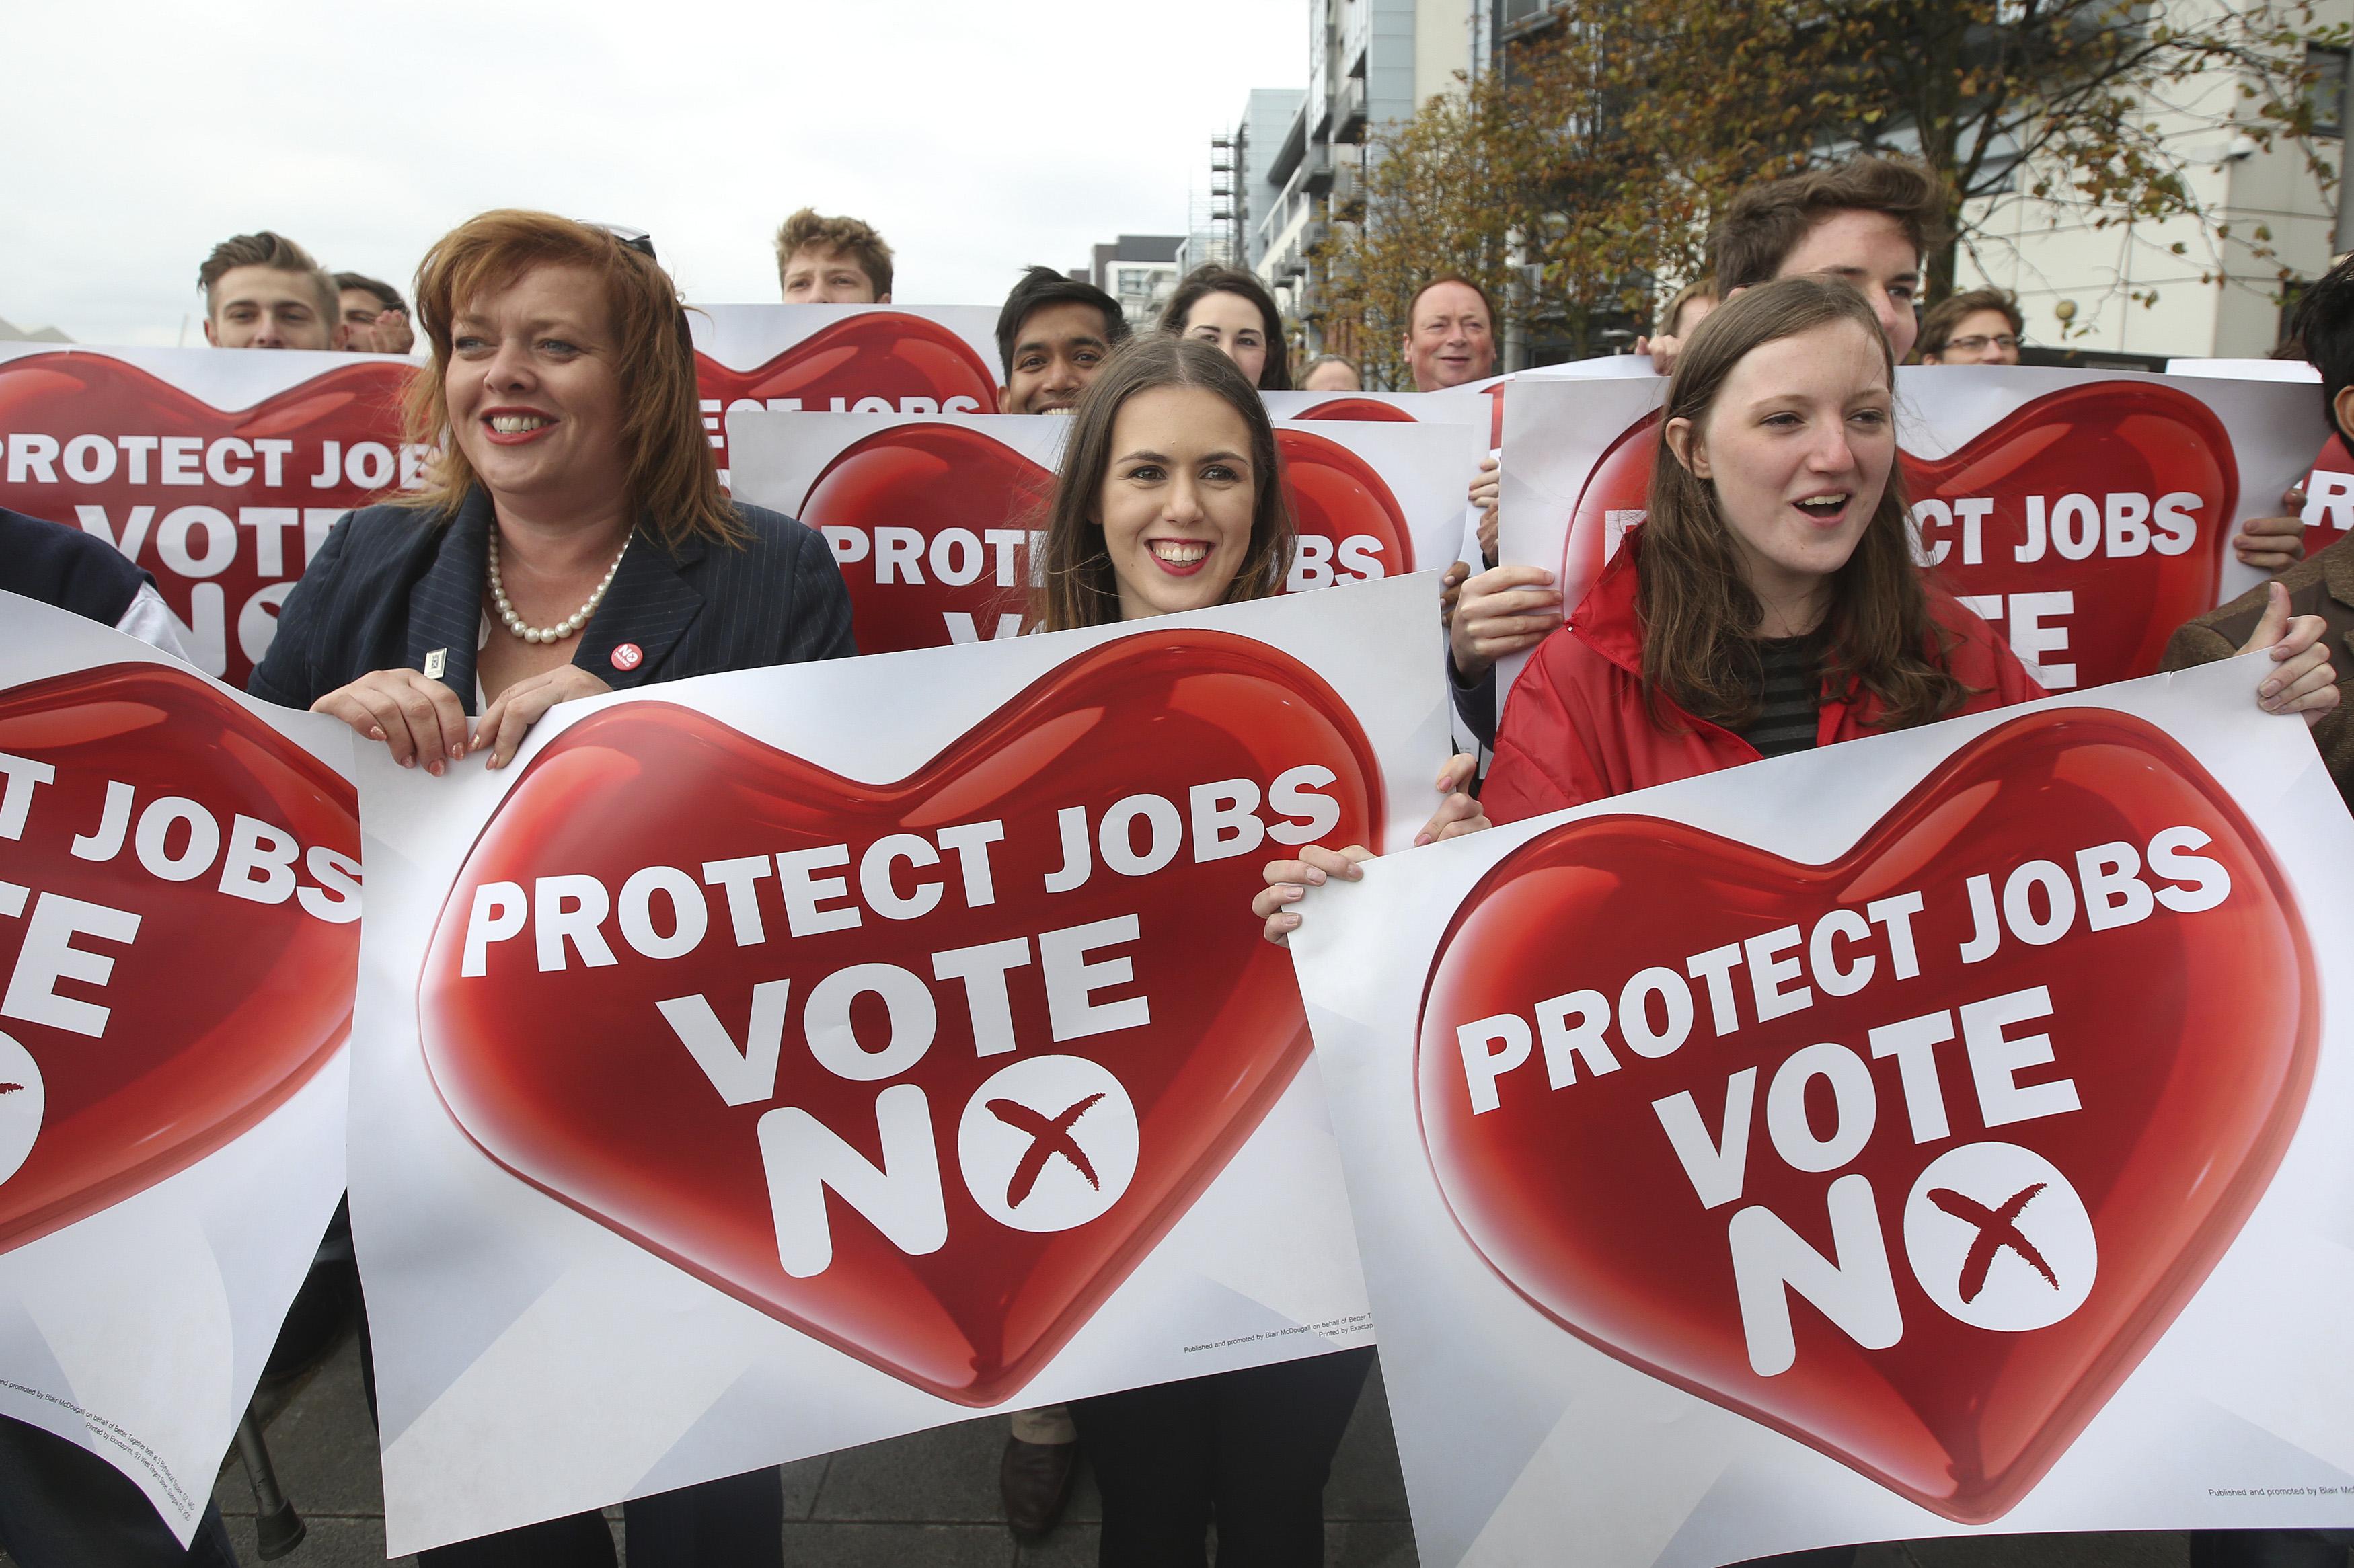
(562, 628)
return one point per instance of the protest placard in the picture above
(780, 1061)
(179, 899)
(1937, 1132)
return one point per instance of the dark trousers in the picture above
(1248, 1449)
(2269, 1548)
(739, 1520)
(1819, 1557)
(714, 1524)
(61, 1506)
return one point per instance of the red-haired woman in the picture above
(572, 539)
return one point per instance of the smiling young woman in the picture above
(1171, 498)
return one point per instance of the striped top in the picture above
(1789, 695)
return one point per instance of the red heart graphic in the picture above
(952, 496)
(2188, 1039)
(1339, 497)
(572, 1081)
(219, 1007)
(231, 601)
(917, 506)
(1356, 409)
(2122, 446)
(905, 361)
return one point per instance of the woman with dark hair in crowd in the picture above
(572, 539)
(1769, 602)
(1233, 312)
(1171, 498)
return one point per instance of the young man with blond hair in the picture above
(263, 291)
(831, 261)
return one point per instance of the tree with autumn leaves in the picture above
(1580, 178)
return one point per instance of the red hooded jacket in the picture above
(1576, 727)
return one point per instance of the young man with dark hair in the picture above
(1053, 335)
(2322, 328)
(831, 261)
(1979, 326)
(263, 291)
(376, 318)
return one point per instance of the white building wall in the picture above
(2047, 253)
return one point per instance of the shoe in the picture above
(1035, 1479)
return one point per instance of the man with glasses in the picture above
(1980, 327)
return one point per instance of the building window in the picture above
(2325, 88)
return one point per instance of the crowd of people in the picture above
(1769, 603)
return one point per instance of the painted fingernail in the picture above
(458, 751)
(409, 762)
(375, 734)
(434, 768)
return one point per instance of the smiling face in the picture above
(1177, 500)
(819, 276)
(1452, 340)
(1797, 444)
(533, 393)
(269, 307)
(1870, 250)
(1057, 350)
(1232, 325)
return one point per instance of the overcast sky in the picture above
(978, 135)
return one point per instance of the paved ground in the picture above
(930, 1501)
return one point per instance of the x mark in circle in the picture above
(1997, 1228)
(1049, 1135)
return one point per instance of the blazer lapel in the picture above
(445, 608)
(646, 610)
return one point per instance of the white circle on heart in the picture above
(22, 1101)
(1983, 1226)
(1048, 1143)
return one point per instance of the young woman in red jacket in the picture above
(1769, 602)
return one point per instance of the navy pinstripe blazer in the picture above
(391, 585)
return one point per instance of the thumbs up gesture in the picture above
(2301, 681)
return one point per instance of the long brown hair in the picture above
(1204, 281)
(1075, 584)
(1699, 616)
(670, 476)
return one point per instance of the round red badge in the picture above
(629, 656)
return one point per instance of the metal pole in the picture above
(278, 1529)
(1516, 301)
